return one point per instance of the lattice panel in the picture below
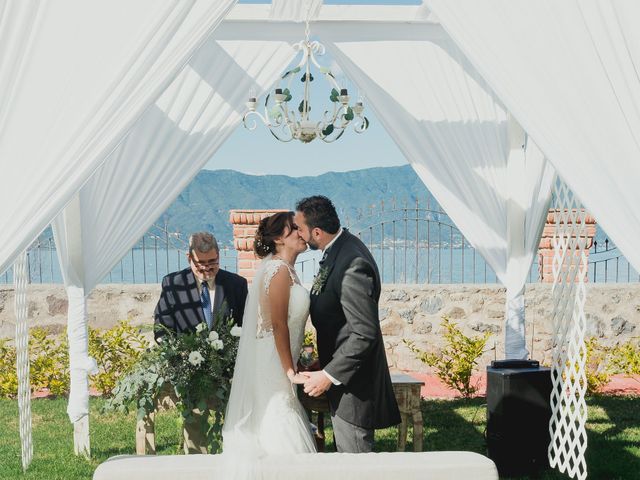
(22, 361)
(569, 409)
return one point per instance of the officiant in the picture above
(197, 295)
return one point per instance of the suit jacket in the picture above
(350, 345)
(180, 308)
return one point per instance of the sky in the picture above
(257, 152)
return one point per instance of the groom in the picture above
(344, 311)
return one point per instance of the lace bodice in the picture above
(298, 303)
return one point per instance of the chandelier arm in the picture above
(305, 98)
(301, 47)
(282, 139)
(269, 119)
(318, 48)
(331, 140)
(331, 79)
(253, 123)
(361, 126)
(330, 118)
(342, 111)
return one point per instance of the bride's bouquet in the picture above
(196, 367)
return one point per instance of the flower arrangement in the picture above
(197, 366)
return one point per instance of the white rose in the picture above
(201, 327)
(236, 331)
(217, 344)
(195, 358)
(213, 335)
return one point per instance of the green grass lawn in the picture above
(613, 428)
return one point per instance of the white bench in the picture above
(308, 466)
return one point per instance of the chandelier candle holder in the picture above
(286, 124)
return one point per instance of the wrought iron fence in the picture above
(418, 243)
(157, 253)
(412, 243)
(608, 265)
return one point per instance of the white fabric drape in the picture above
(74, 76)
(456, 135)
(165, 149)
(294, 10)
(568, 71)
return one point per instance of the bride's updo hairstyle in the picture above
(270, 229)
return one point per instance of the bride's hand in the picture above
(297, 378)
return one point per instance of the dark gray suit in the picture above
(180, 308)
(351, 349)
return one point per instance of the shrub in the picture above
(626, 358)
(116, 351)
(8, 374)
(598, 371)
(48, 364)
(455, 363)
(49, 358)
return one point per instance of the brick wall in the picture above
(245, 223)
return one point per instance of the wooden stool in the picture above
(407, 392)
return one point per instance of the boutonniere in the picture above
(319, 280)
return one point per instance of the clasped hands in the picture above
(315, 383)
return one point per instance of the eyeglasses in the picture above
(206, 264)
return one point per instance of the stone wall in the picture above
(406, 311)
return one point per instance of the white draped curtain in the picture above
(164, 150)
(462, 143)
(569, 72)
(74, 77)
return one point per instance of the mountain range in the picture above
(358, 196)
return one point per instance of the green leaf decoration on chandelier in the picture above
(288, 94)
(349, 115)
(301, 107)
(274, 111)
(328, 130)
(304, 77)
(366, 123)
(290, 72)
(334, 95)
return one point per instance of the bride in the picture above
(264, 415)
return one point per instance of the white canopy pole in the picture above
(69, 238)
(20, 278)
(516, 209)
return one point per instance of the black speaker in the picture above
(518, 414)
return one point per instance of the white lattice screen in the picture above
(569, 409)
(22, 360)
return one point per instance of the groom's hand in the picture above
(316, 384)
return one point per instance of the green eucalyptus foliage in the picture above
(196, 367)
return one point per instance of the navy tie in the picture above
(206, 304)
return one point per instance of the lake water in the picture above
(396, 265)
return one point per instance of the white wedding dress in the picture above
(264, 415)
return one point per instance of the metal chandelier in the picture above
(286, 124)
